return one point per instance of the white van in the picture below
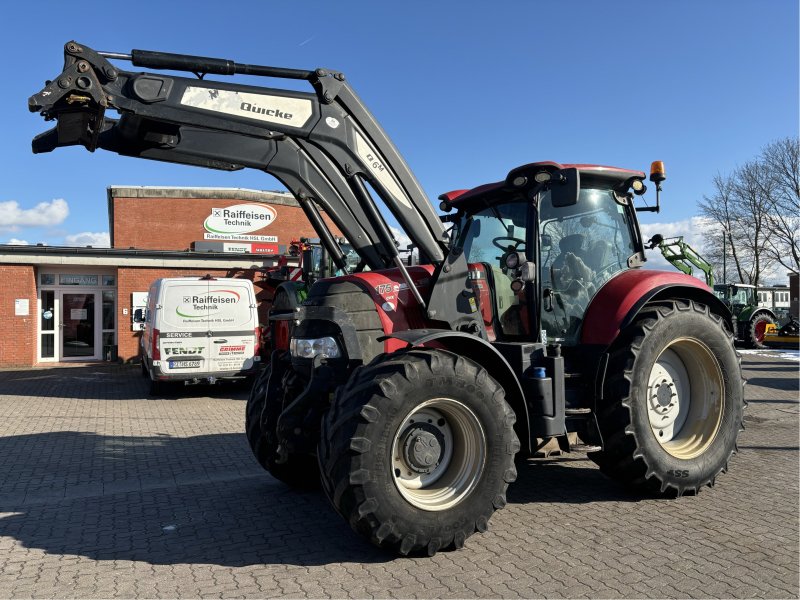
(199, 330)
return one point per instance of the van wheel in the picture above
(264, 406)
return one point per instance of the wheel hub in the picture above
(667, 398)
(438, 454)
(664, 394)
(423, 448)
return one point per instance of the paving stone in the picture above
(108, 493)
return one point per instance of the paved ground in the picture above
(106, 493)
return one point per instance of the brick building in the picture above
(76, 304)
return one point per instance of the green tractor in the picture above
(749, 320)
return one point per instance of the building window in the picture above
(109, 280)
(47, 279)
(47, 323)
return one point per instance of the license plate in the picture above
(184, 364)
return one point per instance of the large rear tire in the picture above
(417, 450)
(674, 401)
(756, 329)
(264, 406)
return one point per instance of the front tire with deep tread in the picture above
(264, 406)
(370, 430)
(689, 347)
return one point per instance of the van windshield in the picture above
(203, 305)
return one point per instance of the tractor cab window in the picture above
(487, 237)
(734, 295)
(582, 247)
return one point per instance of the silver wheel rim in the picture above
(438, 454)
(685, 398)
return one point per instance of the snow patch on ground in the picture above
(784, 354)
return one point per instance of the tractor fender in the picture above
(748, 315)
(486, 355)
(617, 303)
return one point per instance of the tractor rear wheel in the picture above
(264, 406)
(756, 329)
(674, 401)
(417, 450)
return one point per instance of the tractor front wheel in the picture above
(418, 449)
(674, 401)
(264, 406)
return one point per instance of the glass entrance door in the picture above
(78, 339)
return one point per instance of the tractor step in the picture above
(574, 412)
(584, 448)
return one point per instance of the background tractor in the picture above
(749, 320)
(409, 391)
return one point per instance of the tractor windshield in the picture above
(582, 247)
(735, 295)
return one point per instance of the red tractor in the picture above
(409, 392)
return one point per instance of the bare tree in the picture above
(739, 208)
(782, 161)
(722, 208)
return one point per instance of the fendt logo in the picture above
(241, 218)
(203, 305)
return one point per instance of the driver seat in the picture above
(570, 243)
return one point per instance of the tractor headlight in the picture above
(326, 347)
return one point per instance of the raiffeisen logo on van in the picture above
(241, 218)
(202, 305)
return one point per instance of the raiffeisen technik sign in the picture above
(236, 222)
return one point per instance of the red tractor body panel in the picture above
(614, 301)
(397, 308)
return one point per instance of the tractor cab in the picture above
(536, 258)
(737, 296)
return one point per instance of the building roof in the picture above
(117, 257)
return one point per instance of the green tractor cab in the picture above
(750, 321)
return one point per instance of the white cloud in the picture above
(694, 231)
(402, 240)
(16, 242)
(100, 239)
(44, 214)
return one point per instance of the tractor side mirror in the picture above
(565, 187)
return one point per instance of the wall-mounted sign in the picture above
(77, 279)
(239, 219)
(21, 307)
(239, 247)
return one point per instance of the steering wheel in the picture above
(517, 241)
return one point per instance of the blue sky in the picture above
(467, 90)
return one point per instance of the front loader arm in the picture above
(325, 146)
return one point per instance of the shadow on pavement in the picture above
(777, 383)
(102, 381)
(202, 499)
(164, 500)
